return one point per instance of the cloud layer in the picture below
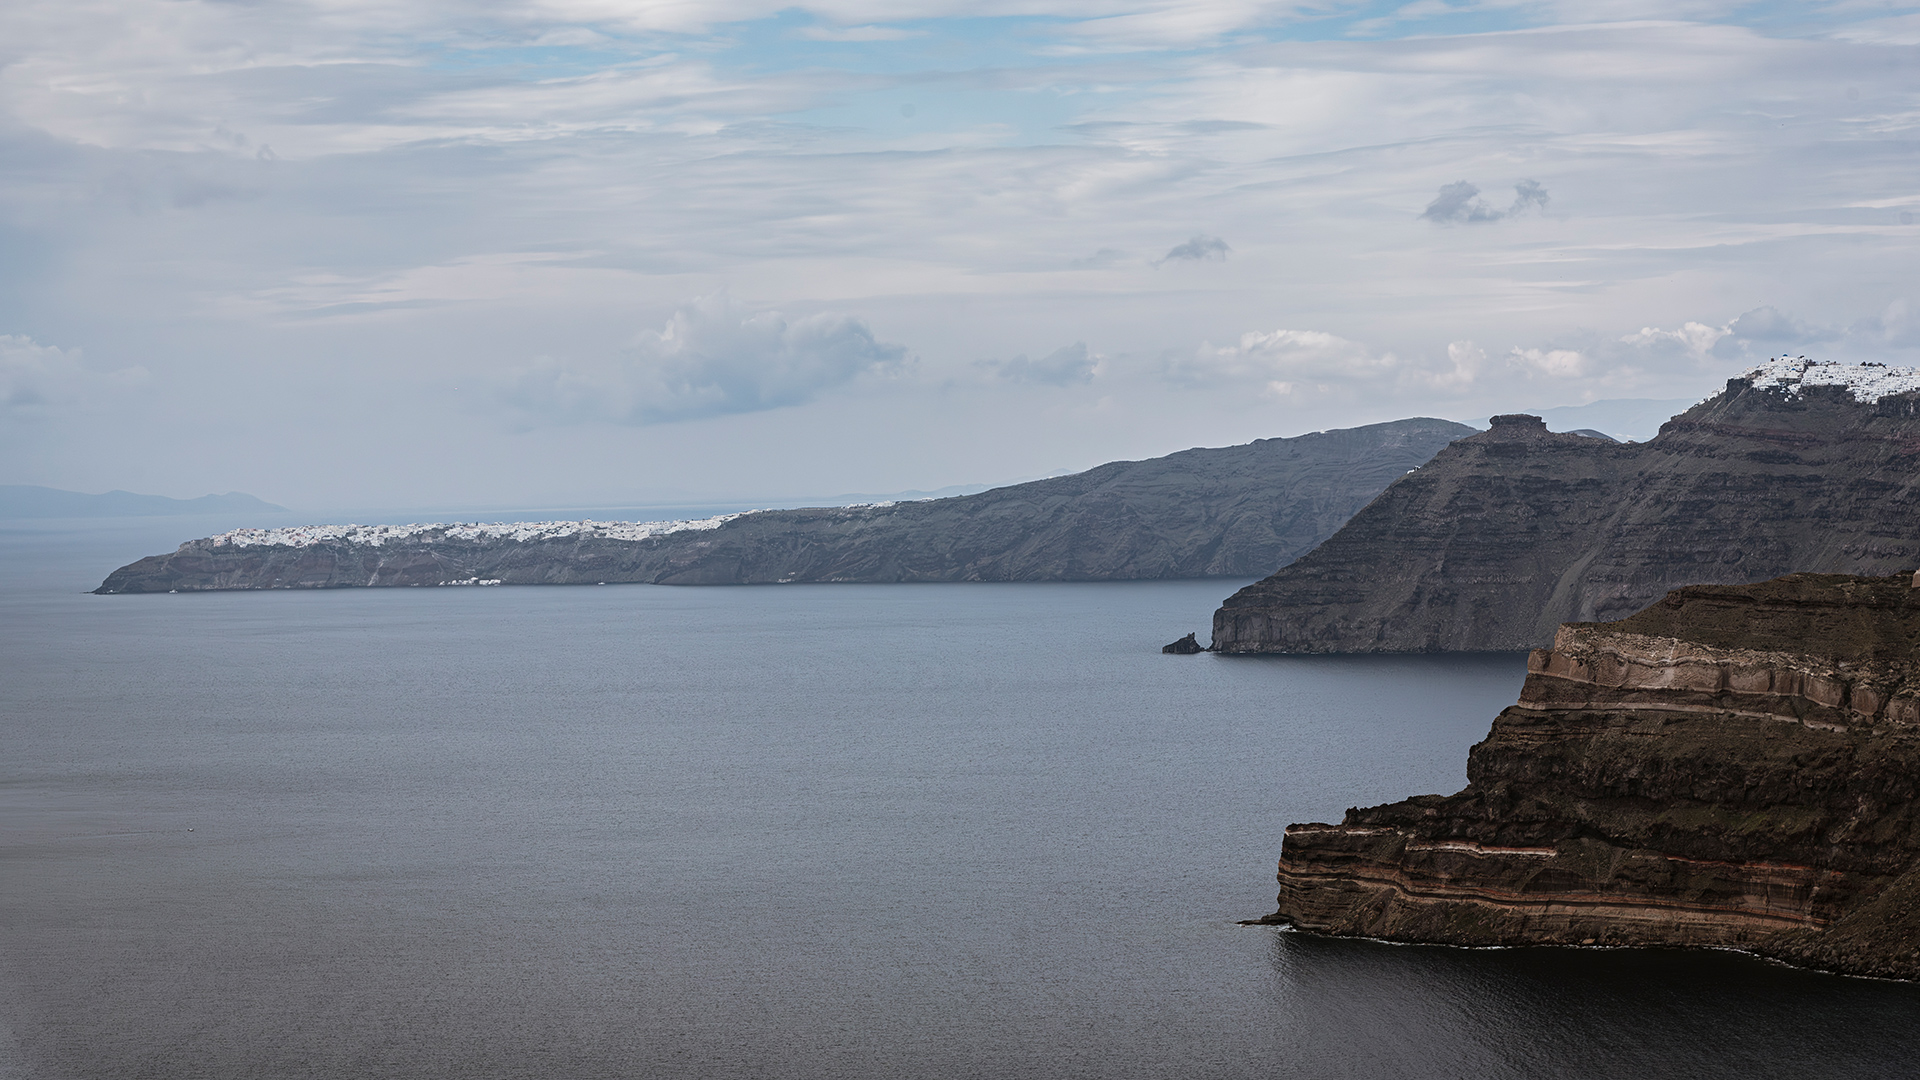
(368, 223)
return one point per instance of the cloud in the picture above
(1755, 334)
(1528, 193)
(35, 377)
(1199, 249)
(1062, 367)
(1554, 363)
(857, 33)
(1896, 326)
(711, 359)
(501, 202)
(1651, 359)
(1280, 362)
(1769, 323)
(1465, 361)
(1460, 203)
(1693, 340)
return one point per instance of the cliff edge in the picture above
(1796, 466)
(1236, 511)
(1734, 766)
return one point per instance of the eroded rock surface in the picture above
(1237, 511)
(1503, 536)
(1734, 766)
(1186, 646)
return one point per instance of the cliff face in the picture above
(1507, 534)
(1237, 511)
(1734, 766)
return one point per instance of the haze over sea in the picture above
(804, 831)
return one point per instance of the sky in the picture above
(346, 253)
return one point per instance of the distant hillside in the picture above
(1620, 419)
(1237, 511)
(28, 501)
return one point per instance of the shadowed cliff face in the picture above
(1233, 512)
(1507, 534)
(1736, 765)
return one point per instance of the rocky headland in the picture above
(1796, 466)
(1237, 511)
(1734, 766)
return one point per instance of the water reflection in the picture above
(1358, 1009)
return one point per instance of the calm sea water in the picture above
(811, 831)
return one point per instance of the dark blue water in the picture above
(805, 831)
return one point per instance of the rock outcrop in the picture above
(1734, 766)
(1796, 466)
(1186, 646)
(1234, 512)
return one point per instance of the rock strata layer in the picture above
(1232, 512)
(1734, 766)
(1503, 536)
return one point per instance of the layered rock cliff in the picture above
(1234, 512)
(1796, 466)
(1734, 766)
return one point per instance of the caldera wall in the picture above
(1670, 779)
(1509, 533)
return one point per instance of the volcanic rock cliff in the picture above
(1239, 511)
(1796, 466)
(1734, 766)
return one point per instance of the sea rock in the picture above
(1186, 646)
(1796, 466)
(1734, 766)
(1237, 511)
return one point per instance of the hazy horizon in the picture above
(1626, 419)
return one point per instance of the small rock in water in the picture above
(1186, 646)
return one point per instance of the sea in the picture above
(804, 831)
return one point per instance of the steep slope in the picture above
(1504, 535)
(1734, 766)
(1236, 511)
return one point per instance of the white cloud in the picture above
(1696, 340)
(1281, 363)
(711, 359)
(1553, 363)
(36, 378)
(1465, 361)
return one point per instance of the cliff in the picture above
(1734, 766)
(1796, 466)
(1236, 511)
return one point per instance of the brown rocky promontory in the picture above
(1503, 536)
(1737, 765)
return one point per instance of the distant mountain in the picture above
(1621, 419)
(1796, 466)
(28, 501)
(1237, 511)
